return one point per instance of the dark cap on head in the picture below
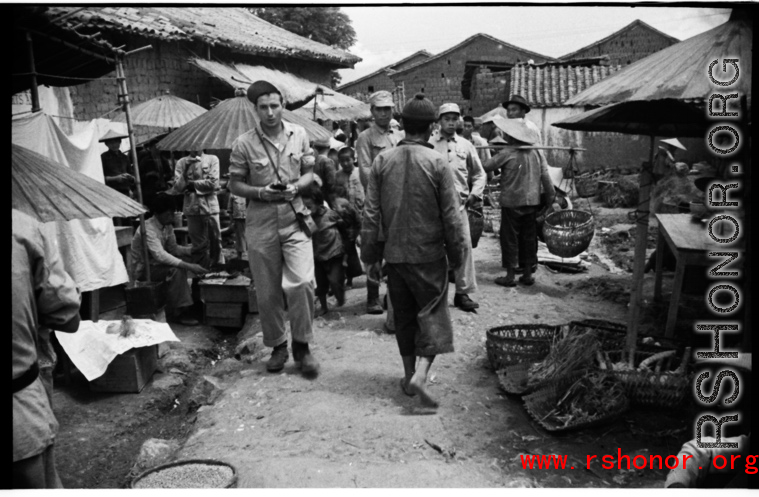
(262, 88)
(419, 108)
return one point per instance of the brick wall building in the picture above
(178, 35)
(380, 79)
(448, 76)
(631, 43)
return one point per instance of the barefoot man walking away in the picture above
(412, 200)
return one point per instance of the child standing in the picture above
(348, 178)
(237, 207)
(350, 232)
(328, 248)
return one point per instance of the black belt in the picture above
(26, 379)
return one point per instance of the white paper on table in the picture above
(91, 349)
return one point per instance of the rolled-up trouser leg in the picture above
(465, 278)
(298, 281)
(420, 291)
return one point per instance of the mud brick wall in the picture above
(166, 67)
(440, 79)
(628, 47)
(489, 90)
(380, 81)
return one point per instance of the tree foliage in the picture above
(327, 25)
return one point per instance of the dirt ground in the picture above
(352, 426)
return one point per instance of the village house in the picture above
(362, 87)
(447, 76)
(635, 41)
(188, 44)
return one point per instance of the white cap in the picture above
(675, 143)
(448, 108)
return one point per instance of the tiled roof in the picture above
(466, 42)
(551, 85)
(630, 26)
(385, 69)
(231, 27)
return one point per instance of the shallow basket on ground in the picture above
(517, 343)
(191, 473)
(543, 401)
(665, 385)
(568, 233)
(613, 335)
(514, 379)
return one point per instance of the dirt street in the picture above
(352, 426)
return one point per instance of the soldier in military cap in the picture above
(379, 137)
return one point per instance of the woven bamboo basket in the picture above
(586, 184)
(507, 345)
(664, 386)
(138, 482)
(541, 402)
(568, 233)
(514, 378)
(613, 335)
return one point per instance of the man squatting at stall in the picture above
(522, 173)
(464, 163)
(377, 138)
(412, 200)
(197, 178)
(269, 165)
(44, 295)
(168, 261)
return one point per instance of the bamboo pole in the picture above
(124, 94)
(641, 239)
(33, 71)
(529, 147)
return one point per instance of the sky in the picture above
(388, 34)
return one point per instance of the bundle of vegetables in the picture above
(588, 399)
(575, 352)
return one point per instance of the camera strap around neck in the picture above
(275, 166)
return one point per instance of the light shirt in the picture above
(370, 143)
(162, 248)
(464, 162)
(523, 172)
(250, 162)
(352, 185)
(204, 171)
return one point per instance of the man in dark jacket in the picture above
(412, 220)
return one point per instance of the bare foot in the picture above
(417, 385)
(404, 387)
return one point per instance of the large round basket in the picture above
(666, 385)
(191, 473)
(568, 233)
(507, 345)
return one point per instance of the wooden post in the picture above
(641, 239)
(34, 90)
(120, 76)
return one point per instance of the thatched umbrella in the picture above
(334, 106)
(49, 191)
(166, 111)
(218, 128)
(657, 85)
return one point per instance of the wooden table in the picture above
(690, 243)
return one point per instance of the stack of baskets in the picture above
(513, 350)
